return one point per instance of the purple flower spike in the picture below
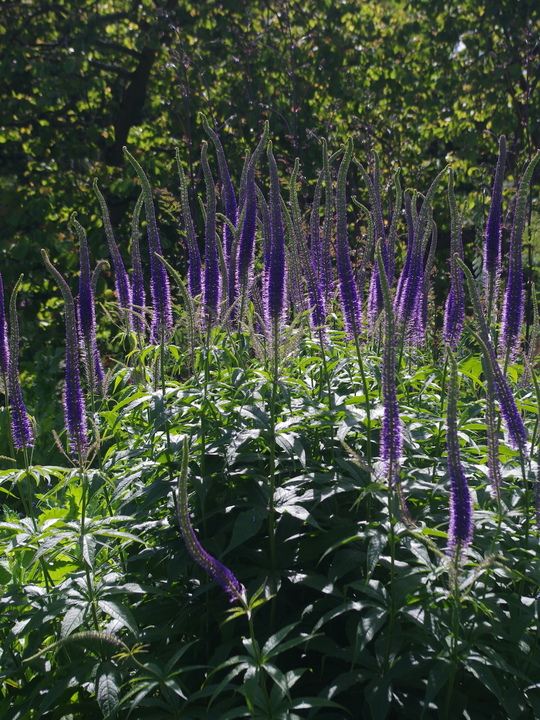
(517, 433)
(194, 255)
(123, 286)
(212, 277)
(159, 281)
(512, 315)
(275, 270)
(246, 245)
(86, 314)
(391, 433)
(21, 429)
(454, 311)
(74, 406)
(139, 294)
(460, 531)
(229, 197)
(492, 237)
(4, 345)
(231, 210)
(221, 574)
(392, 430)
(348, 290)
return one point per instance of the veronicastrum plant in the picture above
(290, 502)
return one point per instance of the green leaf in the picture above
(72, 620)
(107, 687)
(120, 613)
(247, 525)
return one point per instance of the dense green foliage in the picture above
(361, 614)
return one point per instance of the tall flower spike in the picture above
(229, 197)
(454, 310)
(246, 246)
(492, 236)
(348, 290)
(139, 295)
(123, 286)
(86, 314)
(231, 210)
(391, 434)
(327, 276)
(373, 183)
(21, 429)
(159, 282)
(512, 315)
(421, 318)
(308, 268)
(275, 272)
(517, 433)
(4, 344)
(193, 253)
(409, 300)
(74, 406)
(221, 574)
(460, 531)
(212, 278)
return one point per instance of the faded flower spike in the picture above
(221, 574)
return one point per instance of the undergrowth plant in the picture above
(281, 501)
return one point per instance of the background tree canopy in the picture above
(424, 82)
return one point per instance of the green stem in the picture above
(329, 391)
(365, 388)
(456, 624)
(87, 567)
(437, 451)
(272, 467)
(392, 541)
